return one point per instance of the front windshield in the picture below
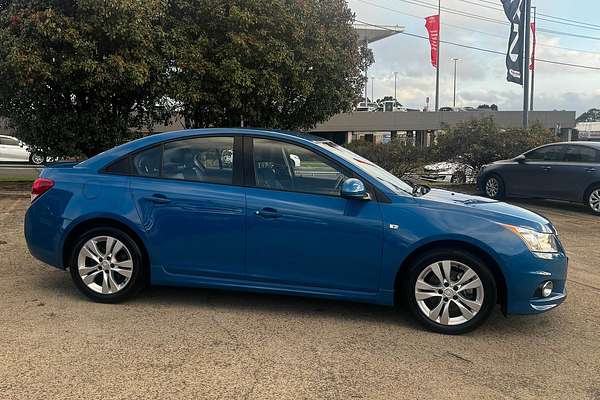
(391, 181)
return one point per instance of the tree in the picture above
(591, 115)
(397, 157)
(286, 64)
(479, 141)
(75, 75)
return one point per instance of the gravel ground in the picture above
(188, 343)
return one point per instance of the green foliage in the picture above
(267, 63)
(77, 75)
(397, 157)
(480, 142)
(591, 115)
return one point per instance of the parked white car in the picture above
(13, 150)
(447, 171)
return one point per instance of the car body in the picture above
(468, 108)
(568, 171)
(14, 150)
(446, 109)
(288, 213)
(448, 172)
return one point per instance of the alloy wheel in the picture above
(449, 292)
(594, 200)
(105, 264)
(492, 187)
(37, 159)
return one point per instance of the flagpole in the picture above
(533, 61)
(526, 50)
(437, 70)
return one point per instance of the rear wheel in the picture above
(450, 291)
(107, 265)
(593, 199)
(493, 187)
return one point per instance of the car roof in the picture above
(102, 159)
(596, 145)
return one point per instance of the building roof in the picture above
(370, 33)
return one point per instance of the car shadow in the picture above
(59, 284)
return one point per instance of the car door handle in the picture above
(590, 170)
(267, 212)
(546, 168)
(158, 199)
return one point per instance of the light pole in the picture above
(373, 89)
(395, 92)
(456, 60)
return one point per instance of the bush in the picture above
(396, 157)
(479, 142)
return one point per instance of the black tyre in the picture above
(450, 291)
(592, 199)
(107, 266)
(493, 187)
(37, 159)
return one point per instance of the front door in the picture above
(300, 231)
(191, 207)
(536, 175)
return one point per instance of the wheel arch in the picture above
(489, 260)
(99, 222)
(588, 190)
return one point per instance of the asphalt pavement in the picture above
(211, 344)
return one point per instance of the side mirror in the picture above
(353, 188)
(521, 159)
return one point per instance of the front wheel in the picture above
(450, 291)
(493, 187)
(37, 159)
(107, 265)
(593, 200)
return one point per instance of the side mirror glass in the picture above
(521, 158)
(353, 188)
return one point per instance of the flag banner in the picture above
(532, 64)
(514, 10)
(432, 24)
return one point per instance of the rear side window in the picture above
(582, 154)
(204, 159)
(120, 167)
(548, 153)
(147, 162)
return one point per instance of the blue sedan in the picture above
(288, 213)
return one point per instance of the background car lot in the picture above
(218, 344)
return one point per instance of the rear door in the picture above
(192, 205)
(579, 170)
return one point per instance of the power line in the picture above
(472, 30)
(481, 48)
(488, 19)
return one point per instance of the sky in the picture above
(482, 76)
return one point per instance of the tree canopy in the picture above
(591, 115)
(77, 75)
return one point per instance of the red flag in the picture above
(532, 65)
(433, 27)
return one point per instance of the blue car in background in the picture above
(292, 214)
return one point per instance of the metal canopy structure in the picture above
(372, 34)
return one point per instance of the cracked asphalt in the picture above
(210, 344)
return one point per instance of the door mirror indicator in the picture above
(353, 188)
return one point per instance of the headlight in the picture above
(537, 242)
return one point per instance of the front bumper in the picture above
(523, 295)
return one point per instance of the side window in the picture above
(9, 141)
(284, 166)
(207, 159)
(548, 153)
(147, 162)
(582, 154)
(120, 167)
